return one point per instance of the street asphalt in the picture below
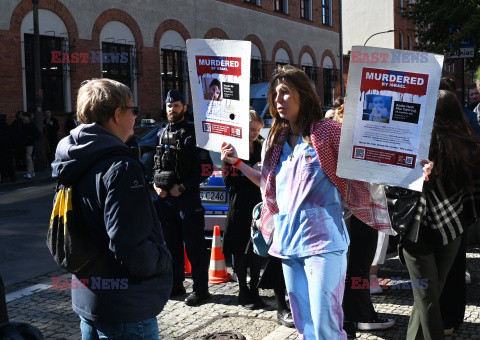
(34, 300)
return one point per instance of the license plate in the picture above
(213, 196)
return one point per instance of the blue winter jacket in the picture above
(132, 279)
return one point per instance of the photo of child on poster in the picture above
(377, 108)
(213, 91)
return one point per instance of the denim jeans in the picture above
(315, 286)
(146, 329)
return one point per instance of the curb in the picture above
(25, 183)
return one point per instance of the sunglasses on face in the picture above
(134, 109)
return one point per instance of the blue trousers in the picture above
(315, 286)
(146, 330)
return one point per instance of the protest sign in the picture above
(388, 118)
(220, 82)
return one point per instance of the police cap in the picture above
(174, 96)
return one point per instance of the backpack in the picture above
(67, 239)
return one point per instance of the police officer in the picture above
(180, 167)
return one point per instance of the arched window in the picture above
(281, 57)
(328, 82)
(307, 66)
(118, 59)
(400, 40)
(54, 62)
(409, 42)
(173, 63)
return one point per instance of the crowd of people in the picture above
(324, 232)
(17, 143)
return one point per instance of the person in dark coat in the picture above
(71, 123)
(18, 136)
(244, 195)
(51, 128)
(6, 150)
(31, 135)
(128, 284)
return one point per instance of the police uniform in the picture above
(183, 216)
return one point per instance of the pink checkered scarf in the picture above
(366, 201)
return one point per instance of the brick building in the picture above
(146, 41)
(363, 19)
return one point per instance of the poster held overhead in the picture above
(219, 73)
(388, 117)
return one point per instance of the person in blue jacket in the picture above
(180, 167)
(127, 286)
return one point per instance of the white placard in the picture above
(220, 82)
(388, 116)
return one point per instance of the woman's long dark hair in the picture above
(310, 107)
(454, 149)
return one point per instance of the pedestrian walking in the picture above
(6, 151)
(31, 135)
(125, 287)
(18, 136)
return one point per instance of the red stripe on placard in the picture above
(384, 156)
(222, 129)
(391, 80)
(218, 65)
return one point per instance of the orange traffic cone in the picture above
(218, 271)
(187, 265)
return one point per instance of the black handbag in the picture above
(402, 207)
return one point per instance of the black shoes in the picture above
(178, 291)
(285, 318)
(244, 299)
(196, 298)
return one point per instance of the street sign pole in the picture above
(40, 156)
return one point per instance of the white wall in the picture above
(362, 18)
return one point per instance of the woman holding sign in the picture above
(447, 207)
(303, 208)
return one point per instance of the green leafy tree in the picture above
(443, 24)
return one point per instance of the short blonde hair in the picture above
(98, 99)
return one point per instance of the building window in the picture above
(326, 12)
(281, 6)
(400, 40)
(256, 71)
(117, 62)
(400, 4)
(409, 42)
(310, 71)
(51, 73)
(255, 2)
(328, 86)
(173, 71)
(306, 9)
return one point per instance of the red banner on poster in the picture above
(384, 156)
(390, 80)
(222, 129)
(218, 65)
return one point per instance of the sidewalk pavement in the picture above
(41, 177)
(36, 302)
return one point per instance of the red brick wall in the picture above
(402, 25)
(11, 74)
